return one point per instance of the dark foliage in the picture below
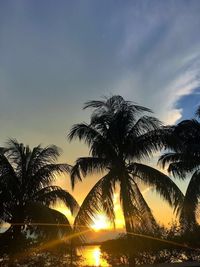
(120, 136)
(27, 194)
(162, 245)
(183, 161)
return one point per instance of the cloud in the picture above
(163, 56)
(54, 57)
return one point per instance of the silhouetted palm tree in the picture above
(183, 159)
(120, 136)
(26, 192)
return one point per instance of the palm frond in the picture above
(46, 221)
(143, 125)
(197, 113)
(146, 144)
(145, 211)
(41, 157)
(101, 123)
(94, 104)
(115, 104)
(187, 128)
(91, 205)
(18, 155)
(75, 175)
(92, 137)
(107, 192)
(180, 163)
(161, 182)
(87, 165)
(131, 213)
(99, 198)
(170, 157)
(51, 194)
(9, 185)
(6, 169)
(104, 148)
(181, 169)
(191, 202)
(47, 174)
(85, 132)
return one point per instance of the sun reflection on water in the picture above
(92, 256)
(97, 255)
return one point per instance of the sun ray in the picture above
(100, 223)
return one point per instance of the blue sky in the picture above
(189, 104)
(55, 55)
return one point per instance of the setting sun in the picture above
(100, 222)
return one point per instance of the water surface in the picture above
(92, 256)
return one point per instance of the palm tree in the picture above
(27, 193)
(120, 136)
(183, 159)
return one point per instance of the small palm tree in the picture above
(27, 193)
(183, 159)
(120, 136)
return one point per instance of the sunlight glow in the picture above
(93, 257)
(96, 255)
(100, 223)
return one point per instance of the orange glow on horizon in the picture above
(161, 210)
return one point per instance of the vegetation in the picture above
(121, 136)
(163, 245)
(27, 195)
(183, 159)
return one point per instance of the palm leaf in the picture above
(41, 157)
(180, 163)
(161, 182)
(94, 104)
(143, 125)
(83, 132)
(146, 144)
(47, 174)
(132, 215)
(99, 198)
(87, 165)
(107, 192)
(146, 214)
(46, 221)
(197, 113)
(191, 202)
(51, 194)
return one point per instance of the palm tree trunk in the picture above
(124, 195)
(129, 238)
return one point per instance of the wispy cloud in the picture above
(163, 54)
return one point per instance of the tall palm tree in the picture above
(27, 193)
(120, 136)
(183, 160)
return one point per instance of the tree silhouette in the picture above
(183, 159)
(27, 193)
(120, 136)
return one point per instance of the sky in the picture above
(56, 55)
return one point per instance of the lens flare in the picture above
(100, 223)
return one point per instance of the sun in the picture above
(100, 223)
